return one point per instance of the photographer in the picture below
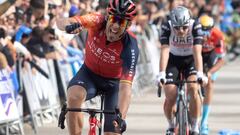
(7, 50)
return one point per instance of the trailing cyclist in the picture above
(181, 47)
(213, 53)
(109, 66)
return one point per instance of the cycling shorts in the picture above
(209, 60)
(95, 85)
(177, 64)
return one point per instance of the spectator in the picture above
(39, 44)
(5, 6)
(3, 61)
(7, 48)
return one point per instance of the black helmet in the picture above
(124, 8)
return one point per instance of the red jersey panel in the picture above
(215, 41)
(111, 60)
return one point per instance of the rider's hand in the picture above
(209, 75)
(73, 28)
(120, 125)
(202, 78)
(161, 78)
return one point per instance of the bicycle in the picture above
(182, 118)
(93, 121)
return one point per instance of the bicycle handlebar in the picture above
(174, 82)
(181, 82)
(90, 111)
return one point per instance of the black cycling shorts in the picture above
(177, 64)
(94, 85)
(209, 59)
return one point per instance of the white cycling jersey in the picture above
(181, 46)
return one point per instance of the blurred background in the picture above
(37, 59)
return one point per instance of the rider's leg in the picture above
(75, 97)
(195, 103)
(209, 59)
(169, 104)
(110, 103)
(206, 105)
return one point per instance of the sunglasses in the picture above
(206, 33)
(116, 19)
(206, 28)
(179, 27)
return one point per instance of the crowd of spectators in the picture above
(28, 27)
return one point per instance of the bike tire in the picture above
(182, 119)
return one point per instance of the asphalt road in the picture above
(146, 117)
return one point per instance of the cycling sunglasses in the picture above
(113, 19)
(206, 33)
(179, 27)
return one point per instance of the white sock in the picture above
(171, 123)
(194, 125)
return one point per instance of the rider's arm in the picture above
(164, 56)
(220, 50)
(125, 93)
(197, 54)
(197, 46)
(92, 20)
(164, 39)
(220, 62)
(130, 57)
(63, 22)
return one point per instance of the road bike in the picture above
(182, 118)
(94, 122)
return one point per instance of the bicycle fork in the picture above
(182, 113)
(93, 123)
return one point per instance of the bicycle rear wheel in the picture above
(182, 119)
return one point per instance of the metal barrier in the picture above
(41, 92)
(9, 113)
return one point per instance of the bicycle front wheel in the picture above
(182, 119)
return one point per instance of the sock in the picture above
(194, 125)
(206, 110)
(171, 123)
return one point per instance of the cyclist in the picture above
(109, 65)
(181, 48)
(213, 52)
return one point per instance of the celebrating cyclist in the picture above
(181, 49)
(213, 52)
(109, 65)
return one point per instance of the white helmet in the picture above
(180, 16)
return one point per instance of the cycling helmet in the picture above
(180, 16)
(124, 8)
(206, 21)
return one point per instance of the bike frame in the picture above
(182, 117)
(93, 123)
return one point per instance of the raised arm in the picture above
(63, 22)
(5, 6)
(88, 21)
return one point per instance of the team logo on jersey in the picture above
(107, 55)
(182, 40)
